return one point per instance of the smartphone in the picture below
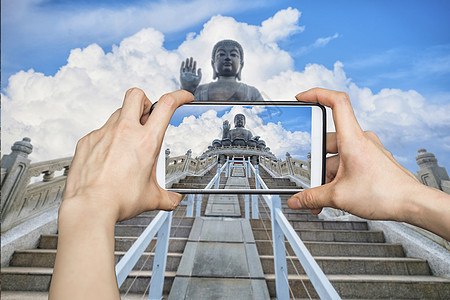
(244, 148)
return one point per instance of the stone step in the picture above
(340, 249)
(19, 295)
(315, 224)
(295, 216)
(176, 244)
(327, 235)
(38, 280)
(136, 230)
(193, 185)
(355, 265)
(348, 286)
(45, 258)
(370, 286)
(145, 220)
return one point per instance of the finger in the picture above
(161, 115)
(182, 66)
(134, 104)
(111, 120)
(146, 113)
(332, 164)
(339, 102)
(332, 143)
(171, 201)
(190, 64)
(200, 72)
(314, 199)
(194, 67)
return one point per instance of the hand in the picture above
(365, 180)
(226, 125)
(189, 76)
(112, 178)
(115, 165)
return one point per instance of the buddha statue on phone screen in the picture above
(227, 62)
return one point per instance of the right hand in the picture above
(364, 178)
(226, 125)
(189, 75)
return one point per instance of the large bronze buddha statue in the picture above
(227, 61)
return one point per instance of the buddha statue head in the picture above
(239, 121)
(227, 59)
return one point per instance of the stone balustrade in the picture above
(22, 200)
(186, 164)
(290, 166)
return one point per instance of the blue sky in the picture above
(383, 44)
(394, 60)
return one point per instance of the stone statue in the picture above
(227, 61)
(239, 136)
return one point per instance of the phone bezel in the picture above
(314, 123)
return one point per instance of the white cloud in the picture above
(55, 111)
(280, 26)
(320, 42)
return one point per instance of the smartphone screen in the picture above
(258, 147)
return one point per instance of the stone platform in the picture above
(228, 205)
(220, 261)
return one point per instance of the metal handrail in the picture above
(198, 202)
(160, 225)
(281, 228)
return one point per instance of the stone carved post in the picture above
(309, 164)
(167, 152)
(288, 161)
(430, 172)
(188, 160)
(16, 180)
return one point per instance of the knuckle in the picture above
(134, 91)
(309, 200)
(343, 97)
(371, 134)
(169, 100)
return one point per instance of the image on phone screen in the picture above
(239, 147)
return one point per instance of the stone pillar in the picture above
(167, 152)
(17, 178)
(430, 172)
(279, 166)
(188, 160)
(288, 161)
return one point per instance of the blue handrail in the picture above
(281, 228)
(160, 225)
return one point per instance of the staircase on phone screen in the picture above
(227, 257)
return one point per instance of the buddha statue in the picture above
(227, 62)
(239, 136)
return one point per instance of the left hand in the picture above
(114, 167)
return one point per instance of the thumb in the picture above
(314, 199)
(174, 200)
(199, 72)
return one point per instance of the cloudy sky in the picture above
(67, 64)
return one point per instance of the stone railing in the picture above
(186, 164)
(290, 166)
(22, 200)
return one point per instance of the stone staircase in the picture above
(358, 262)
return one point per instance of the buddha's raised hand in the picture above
(189, 75)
